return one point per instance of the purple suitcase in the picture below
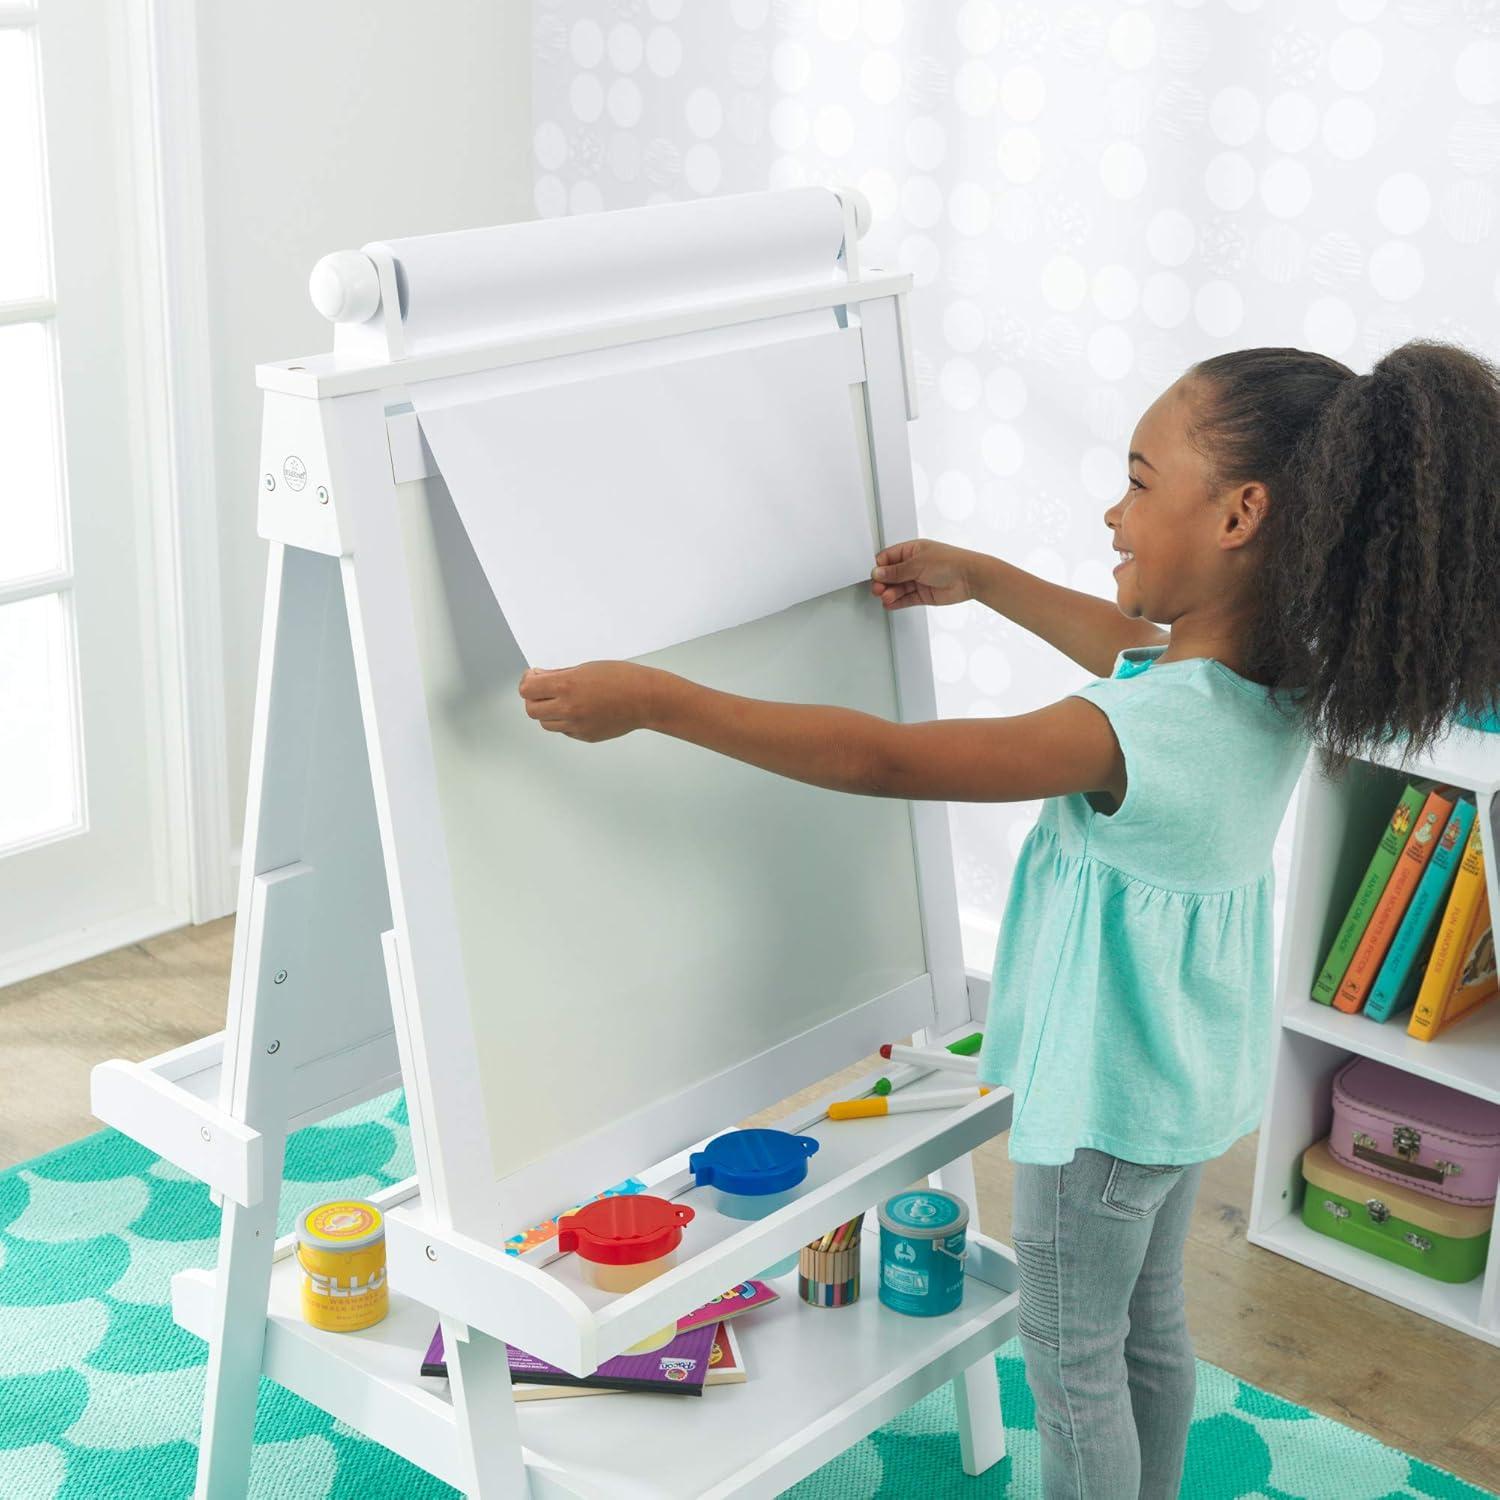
(1401, 1128)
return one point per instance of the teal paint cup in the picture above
(923, 1242)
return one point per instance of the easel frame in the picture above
(332, 861)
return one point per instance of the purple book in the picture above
(678, 1368)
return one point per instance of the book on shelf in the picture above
(726, 1365)
(1400, 977)
(1410, 865)
(679, 1368)
(1357, 918)
(1461, 973)
(743, 1298)
(704, 1351)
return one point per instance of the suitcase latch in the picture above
(1418, 1242)
(1336, 1209)
(1406, 1140)
(1450, 1168)
(1379, 1213)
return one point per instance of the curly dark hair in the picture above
(1378, 607)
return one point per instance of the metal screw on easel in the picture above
(274, 1047)
(322, 495)
(431, 1253)
(280, 976)
(206, 1133)
(270, 482)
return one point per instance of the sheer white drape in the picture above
(1090, 197)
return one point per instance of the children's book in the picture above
(1463, 957)
(726, 1365)
(738, 1299)
(1400, 975)
(1395, 898)
(677, 1369)
(1357, 918)
(534, 1378)
(1477, 983)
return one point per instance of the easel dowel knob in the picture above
(345, 287)
(864, 215)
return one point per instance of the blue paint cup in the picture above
(923, 1234)
(753, 1173)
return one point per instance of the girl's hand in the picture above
(598, 700)
(921, 572)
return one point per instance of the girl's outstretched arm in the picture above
(1066, 747)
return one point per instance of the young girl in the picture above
(1325, 549)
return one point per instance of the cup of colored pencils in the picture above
(828, 1268)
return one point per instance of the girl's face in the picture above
(1186, 543)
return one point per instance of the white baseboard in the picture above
(88, 942)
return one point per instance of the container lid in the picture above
(1460, 1221)
(344, 1224)
(927, 1212)
(623, 1231)
(1409, 1099)
(753, 1162)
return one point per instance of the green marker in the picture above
(965, 1046)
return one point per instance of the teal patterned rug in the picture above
(100, 1392)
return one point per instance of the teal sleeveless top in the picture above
(1131, 1000)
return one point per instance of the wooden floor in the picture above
(1306, 1337)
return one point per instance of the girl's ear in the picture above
(1247, 509)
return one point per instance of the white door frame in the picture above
(159, 61)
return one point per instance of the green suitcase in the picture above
(1447, 1241)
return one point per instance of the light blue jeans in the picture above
(1099, 1249)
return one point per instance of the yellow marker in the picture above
(901, 1104)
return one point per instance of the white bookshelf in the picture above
(1338, 825)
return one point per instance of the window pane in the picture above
(23, 242)
(38, 744)
(31, 508)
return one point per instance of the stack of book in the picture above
(705, 1351)
(1417, 935)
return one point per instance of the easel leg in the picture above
(976, 1393)
(264, 993)
(247, 1241)
(485, 1411)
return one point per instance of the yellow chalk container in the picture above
(341, 1249)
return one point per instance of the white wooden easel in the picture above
(347, 980)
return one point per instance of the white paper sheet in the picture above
(630, 499)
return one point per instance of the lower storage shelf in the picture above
(818, 1379)
(1456, 1305)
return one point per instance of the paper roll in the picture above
(475, 285)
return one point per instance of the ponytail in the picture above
(1379, 595)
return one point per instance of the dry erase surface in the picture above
(638, 915)
(626, 500)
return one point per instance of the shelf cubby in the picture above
(1338, 824)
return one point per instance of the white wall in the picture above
(325, 126)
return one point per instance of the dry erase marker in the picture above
(947, 1062)
(901, 1104)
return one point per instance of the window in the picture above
(41, 742)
